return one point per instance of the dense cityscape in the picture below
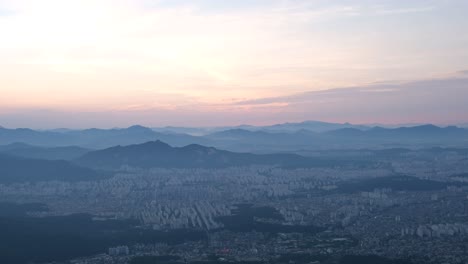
(401, 205)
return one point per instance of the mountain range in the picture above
(278, 138)
(157, 154)
(314, 126)
(19, 166)
(345, 138)
(91, 138)
(25, 163)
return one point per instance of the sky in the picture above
(115, 63)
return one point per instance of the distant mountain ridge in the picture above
(409, 132)
(278, 138)
(424, 135)
(314, 126)
(157, 154)
(93, 138)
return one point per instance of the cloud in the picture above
(396, 11)
(439, 101)
(432, 100)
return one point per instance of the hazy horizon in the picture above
(387, 125)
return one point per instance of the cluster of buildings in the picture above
(425, 225)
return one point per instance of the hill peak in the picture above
(157, 144)
(138, 128)
(157, 154)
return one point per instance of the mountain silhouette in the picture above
(157, 154)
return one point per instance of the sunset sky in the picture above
(115, 63)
